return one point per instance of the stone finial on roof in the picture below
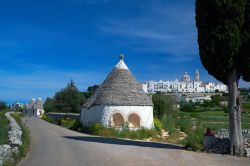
(121, 64)
(121, 56)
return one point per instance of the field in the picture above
(213, 119)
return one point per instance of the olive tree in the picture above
(223, 37)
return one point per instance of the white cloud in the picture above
(165, 29)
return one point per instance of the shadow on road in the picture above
(122, 142)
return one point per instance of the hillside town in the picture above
(185, 85)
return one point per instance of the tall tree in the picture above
(223, 37)
(68, 99)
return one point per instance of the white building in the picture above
(16, 106)
(185, 85)
(196, 97)
(119, 101)
(34, 107)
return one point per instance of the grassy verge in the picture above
(23, 149)
(98, 129)
(4, 128)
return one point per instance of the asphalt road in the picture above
(53, 145)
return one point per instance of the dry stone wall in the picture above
(14, 140)
(219, 143)
(57, 115)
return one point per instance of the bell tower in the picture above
(197, 75)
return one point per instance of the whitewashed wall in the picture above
(39, 112)
(102, 114)
(34, 112)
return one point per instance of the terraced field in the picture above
(214, 119)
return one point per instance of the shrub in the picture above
(225, 109)
(67, 123)
(92, 128)
(47, 118)
(168, 123)
(187, 107)
(184, 124)
(194, 140)
(157, 124)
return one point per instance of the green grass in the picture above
(4, 128)
(212, 119)
(48, 119)
(98, 129)
(246, 105)
(23, 149)
(169, 125)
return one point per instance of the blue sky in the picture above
(45, 43)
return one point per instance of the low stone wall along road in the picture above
(53, 145)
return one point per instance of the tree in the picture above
(187, 107)
(164, 105)
(3, 105)
(90, 91)
(93, 88)
(223, 37)
(49, 105)
(68, 99)
(217, 99)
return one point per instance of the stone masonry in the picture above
(14, 140)
(219, 143)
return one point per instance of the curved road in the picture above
(53, 145)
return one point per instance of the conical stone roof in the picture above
(120, 88)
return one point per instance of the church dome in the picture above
(186, 77)
(120, 88)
